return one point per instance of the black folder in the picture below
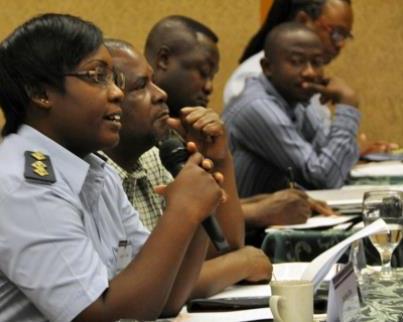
(228, 304)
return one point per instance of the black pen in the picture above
(291, 181)
(292, 184)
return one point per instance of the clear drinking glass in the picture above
(388, 205)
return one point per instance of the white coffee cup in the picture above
(291, 301)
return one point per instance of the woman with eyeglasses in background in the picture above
(332, 20)
(71, 245)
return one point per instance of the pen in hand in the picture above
(291, 181)
(317, 206)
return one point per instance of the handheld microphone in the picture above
(173, 155)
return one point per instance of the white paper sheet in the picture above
(294, 271)
(244, 291)
(378, 169)
(281, 271)
(348, 199)
(320, 266)
(232, 316)
(317, 222)
(341, 197)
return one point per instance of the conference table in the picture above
(284, 245)
(382, 301)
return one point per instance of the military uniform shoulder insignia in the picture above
(38, 168)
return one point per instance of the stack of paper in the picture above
(378, 169)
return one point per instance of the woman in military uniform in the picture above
(71, 245)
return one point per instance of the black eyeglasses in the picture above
(101, 75)
(337, 34)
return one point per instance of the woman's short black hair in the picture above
(38, 53)
(282, 11)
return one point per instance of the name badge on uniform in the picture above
(124, 255)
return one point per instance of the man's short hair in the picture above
(117, 44)
(168, 29)
(273, 39)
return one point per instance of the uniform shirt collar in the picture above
(66, 164)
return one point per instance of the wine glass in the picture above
(388, 205)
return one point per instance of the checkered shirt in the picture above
(148, 172)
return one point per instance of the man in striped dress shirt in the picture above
(270, 129)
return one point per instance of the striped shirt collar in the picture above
(282, 103)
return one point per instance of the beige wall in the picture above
(233, 20)
(372, 63)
